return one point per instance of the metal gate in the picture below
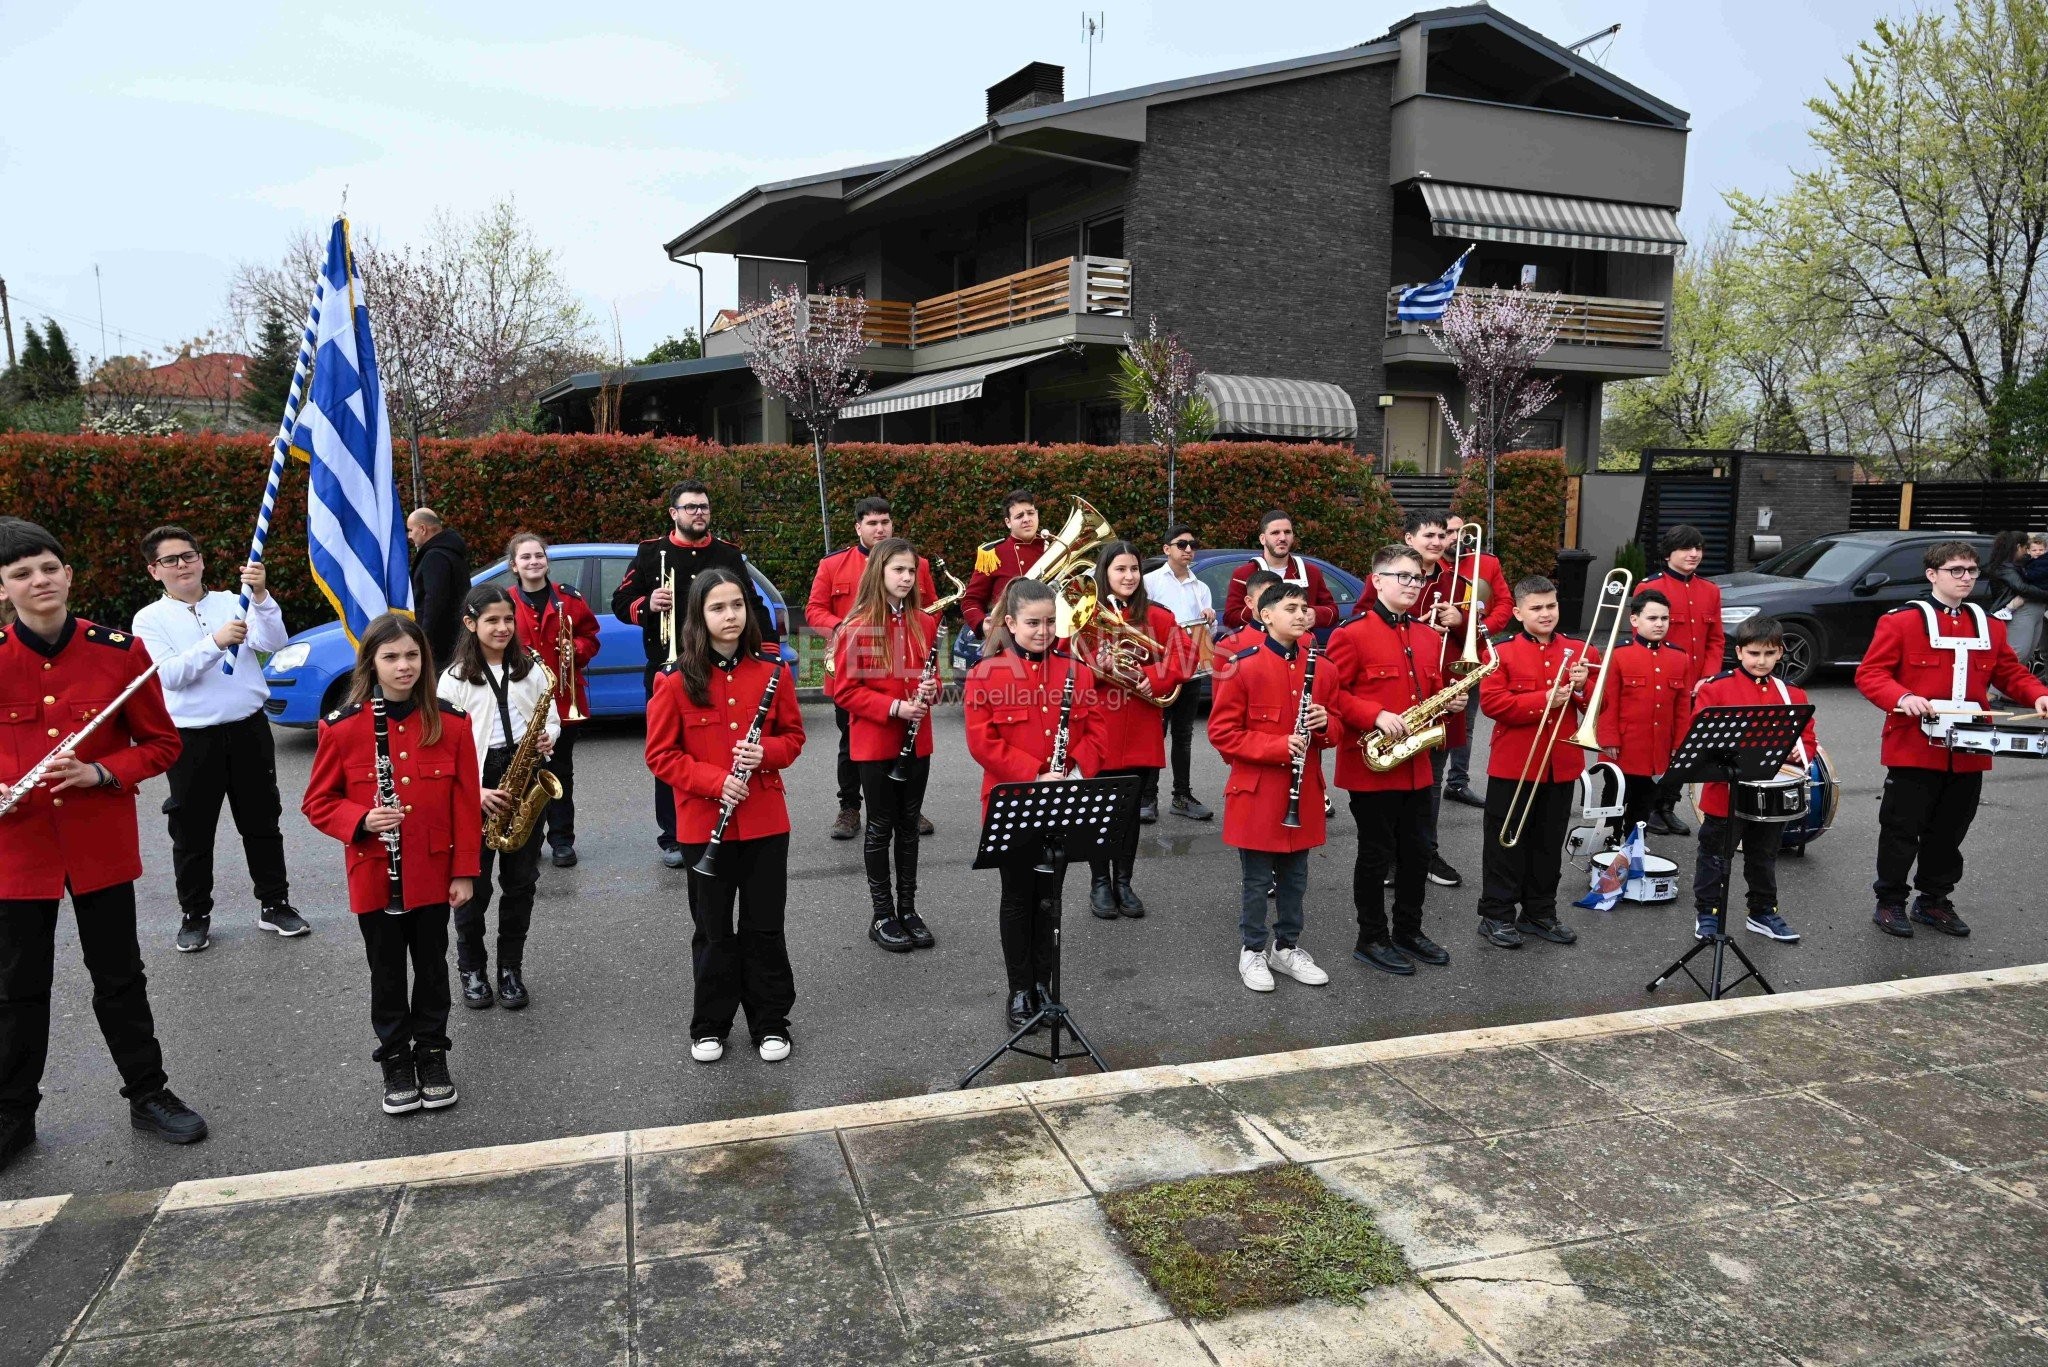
(1705, 500)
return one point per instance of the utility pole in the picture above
(7, 320)
(103, 310)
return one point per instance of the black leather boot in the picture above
(886, 930)
(1126, 899)
(1101, 892)
(906, 889)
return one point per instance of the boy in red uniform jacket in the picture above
(1013, 702)
(1647, 709)
(698, 724)
(1256, 722)
(439, 820)
(539, 609)
(1002, 560)
(1532, 673)
(75, 830)
(1950, 651)
(1381, 663)
(1759, 645)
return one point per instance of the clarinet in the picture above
(1049, 860)
(707, 863)
(1292, 820)
(900, 770)
(387, 796)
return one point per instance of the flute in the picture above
(1308, 687)
(900, 770)
(387, 796)
(707, 863)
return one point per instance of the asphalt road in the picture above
(271, 1041)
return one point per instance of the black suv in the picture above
(1830, 592)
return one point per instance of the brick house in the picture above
(1268, 215)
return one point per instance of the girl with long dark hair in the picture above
(2025, 601)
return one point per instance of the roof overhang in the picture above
(641, 374)
(1465, 15)
(763, 208)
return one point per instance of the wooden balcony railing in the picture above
(1083, 284)
(1582, 320)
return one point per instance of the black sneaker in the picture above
(1939, 914)
(1892, 920)
(192, 936)
(913, 925)
(565, 857)
(17, 1132)
(1442, 874)
(281, 919)
(1186, 805)
(476, 990)
(512, 989)
(1420, 946)
(166, 1117)
(889, 933)
(1551, 929)
(401, 1087)
(1148, 813)
(672, 856)
(437, 1089)
(1502, 933)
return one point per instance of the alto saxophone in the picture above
(510, 829)
(1425, 729)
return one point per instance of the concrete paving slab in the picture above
(936, 1169)
(1929, 1032)
(1973, 1232)
(1971, 1125)
(1166, 1344)
(1793, 1046)
(2023, 1179)
(1636, 1171)
(1336, 1112)
(15, 1242)
(1447, 1203)
(824, 1301)
(2022, 1079)
(236, 1261)
(1156, 1136)
(1498, 1090)
(2017, 1007)
(1807, 1147)
(1644, 1069)
(2012, 1348)
(758, 1191)
(1397, 1326)
(487, 1229)
(316, 1338)
(579, 1318)
(995, 1281)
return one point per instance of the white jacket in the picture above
(477, 699)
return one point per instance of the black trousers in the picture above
(1527, 875)
(1390, 835)
(850, 783)
(559, 821)
(1125, 857)
(743, 962)
(1638, 800)
(1437, 760)
(893, 810)
(1760, 842)
(235, 761)
(664, 796)
(1178, 722)
(407, 1020)
(518, 875)
(1922, 819)
(120, 992)
(1028, 916)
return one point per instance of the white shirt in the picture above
(480, 701)
(1185, 598)
(196, 689)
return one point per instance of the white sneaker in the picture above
(1251, 966)
(1296, 964)
(710, 1049)
(774, 1049)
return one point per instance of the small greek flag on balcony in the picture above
(1426, 303)
(355, 526)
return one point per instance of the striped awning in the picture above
(1470, 213)
(1255, 406)
(941, 386)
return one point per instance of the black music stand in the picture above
(1051, 824)
(1731, 745)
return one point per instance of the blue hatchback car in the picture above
(309, 677)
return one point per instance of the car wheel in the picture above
(336, 697)
(1802, 654)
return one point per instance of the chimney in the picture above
(1031, 86)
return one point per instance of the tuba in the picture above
(1068, 562)
(511, 829)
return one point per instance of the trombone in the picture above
(1477, 596)
(1614, 591)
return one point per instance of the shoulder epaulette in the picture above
(3, 636)
(568, 591)
(670, 668)
(452, 710)
(985, 559)
(769, 655)
(1062, 654)
(1249, 651)
(343, 713)
(117, 640)
(1724, 674)
(1902, 607)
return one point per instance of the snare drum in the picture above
(1823, 796)
(1772, 800)
(1659, 881)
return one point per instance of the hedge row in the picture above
(101, 494)
(1528, 509)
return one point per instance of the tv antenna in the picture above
(1091, 34)
(1592, 38)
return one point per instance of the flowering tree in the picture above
(1495, 337)
(802, 350)
(1156, 377)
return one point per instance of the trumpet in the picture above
(1614, 590)
(670, 637)
(1478, 595)
(565, 656)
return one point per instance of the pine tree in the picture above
(60, 368)
(27, 375)
(267, 380)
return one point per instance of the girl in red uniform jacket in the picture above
(541, 606)
(697, 725)
(1013, 712)
(1133, 741)
(439, 821)
(879, 654)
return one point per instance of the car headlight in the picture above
(291, 657)
(1735, 616)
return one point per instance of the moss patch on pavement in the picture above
(1214, 1245)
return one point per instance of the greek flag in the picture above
(355, 526)
(1626, 864)
(1426, 303)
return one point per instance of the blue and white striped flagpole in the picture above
(280, 452)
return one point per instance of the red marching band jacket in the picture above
(85, 837)
(689, 747)
(1377, 665)
(1513, 697)
(997, 563)
(1902, 660)
(543, 633)
(1300, 570)
(1740, 688)
(1253, 712)
(1132, 737)
(1012, 704)
(1695, 617)
(1647, 706)
(867, 691)
(442, 835)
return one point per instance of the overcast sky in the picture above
(164, 143)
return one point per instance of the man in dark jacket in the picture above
(440, 581)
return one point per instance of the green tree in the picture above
(31, 372)
(1701, 401)
(267, 380)
(60, 367)
(684, 348)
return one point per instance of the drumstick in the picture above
(1959, 712)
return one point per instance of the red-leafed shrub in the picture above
(1528, 509)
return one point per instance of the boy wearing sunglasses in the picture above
(1176, 587)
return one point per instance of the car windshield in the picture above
(1828, 560)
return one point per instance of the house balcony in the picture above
(1619, 338)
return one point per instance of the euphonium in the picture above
(510, 829)
(1425, 729)
(1071, 552)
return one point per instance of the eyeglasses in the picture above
(1413, 581)
(1180, 545)
(1961, 571)
(181, 558)
(693, 507)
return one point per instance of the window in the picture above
(1102, 423)
(610, 570)
(1905, 565)
(1055, 245)
(1542, 434)
(1105, 236)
